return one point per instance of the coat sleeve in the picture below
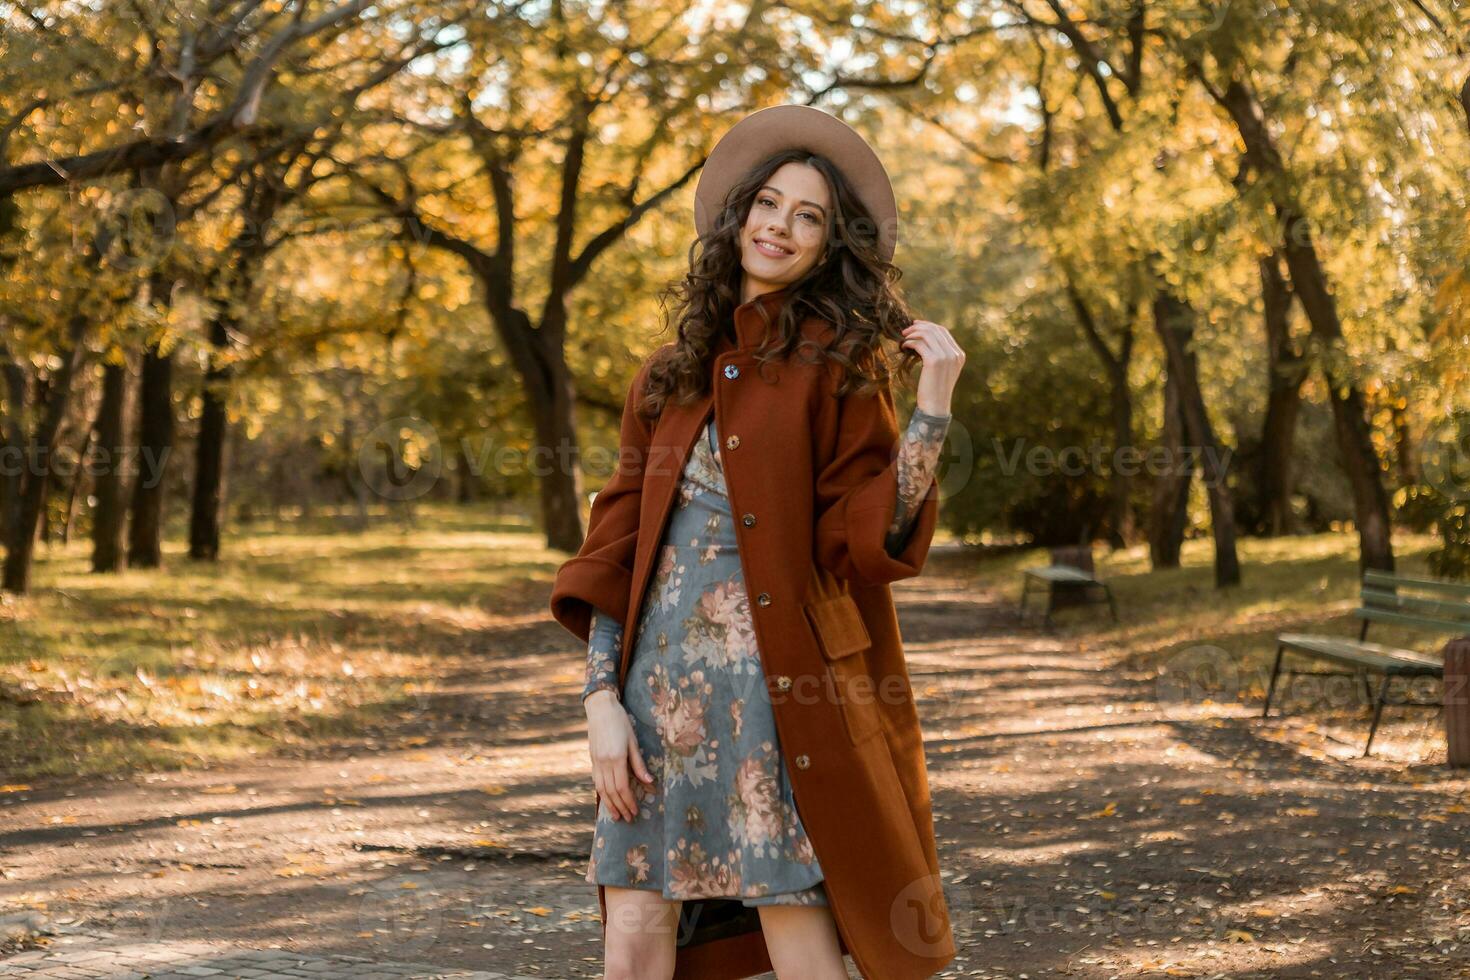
(601, 574)
(857, 492)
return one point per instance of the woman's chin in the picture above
(777, 271)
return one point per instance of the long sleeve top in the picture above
(918, 456)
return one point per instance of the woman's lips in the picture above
(771, 250)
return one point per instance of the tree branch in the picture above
(142, 154)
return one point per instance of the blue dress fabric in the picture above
(720, 818)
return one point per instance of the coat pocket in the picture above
(841, 633)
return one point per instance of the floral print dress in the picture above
(720, 818)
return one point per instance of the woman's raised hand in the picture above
(616, 760)
(942, 358)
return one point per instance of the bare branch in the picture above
(969, 145)
(1465, 100)
(612, 233)
(238, 116)
(244, 109)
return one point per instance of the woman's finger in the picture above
(607, 797)
(954, 344)
(608, 769)
(635, 757)
(944, 343)
(922, 344)
(623, 791)
(601, 786)
(618, 784)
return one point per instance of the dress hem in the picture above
(745, 899)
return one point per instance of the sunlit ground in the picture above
(304, 631)
(298, 633)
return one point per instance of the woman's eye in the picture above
(808, 214)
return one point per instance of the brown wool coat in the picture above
(814, 481)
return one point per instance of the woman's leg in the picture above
(642, 928)
(802, 941)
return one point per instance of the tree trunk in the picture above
(352, 477)
(155, 445)
(1120, 400)
(108, 517)
(1174, 321)
(1465, 101)
(552, 396)
(1354, 435)
(16, 383)
(78, 480)
(1287, 372)
(561, 487)
(21, 545)
(43, 529)
(209, 459)
(1170, 513)
(1309, 279)
(467, 490)
(1406, 450)
(1120, 484)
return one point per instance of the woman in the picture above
(690, 735)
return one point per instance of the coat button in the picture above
(783, 683)
(748, 520)
(732, 441)
(764, 599)
(802, 762)
(732, 372)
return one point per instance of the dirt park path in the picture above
(1087, 827)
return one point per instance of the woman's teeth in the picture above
(772, 250)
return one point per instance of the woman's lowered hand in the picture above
(616, 760)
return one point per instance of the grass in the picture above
(1299, 583)
(304, 632)
(297, 634)
(1177, 627)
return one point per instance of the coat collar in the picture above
(750, 327)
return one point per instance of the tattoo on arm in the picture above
(918, 458)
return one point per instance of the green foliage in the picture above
(1016, 186)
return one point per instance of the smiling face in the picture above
(785, 233)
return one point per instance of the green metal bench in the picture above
(1431, 605)
(1070, 575)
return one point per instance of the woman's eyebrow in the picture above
(814, 204)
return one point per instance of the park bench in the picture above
(1069, 580)
(1429, 605)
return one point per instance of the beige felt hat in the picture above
(782, 127)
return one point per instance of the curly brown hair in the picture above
(852, 288)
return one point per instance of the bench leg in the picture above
(1271, 687)
(1112, 606)
(1377, 713)
(1025, 593)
